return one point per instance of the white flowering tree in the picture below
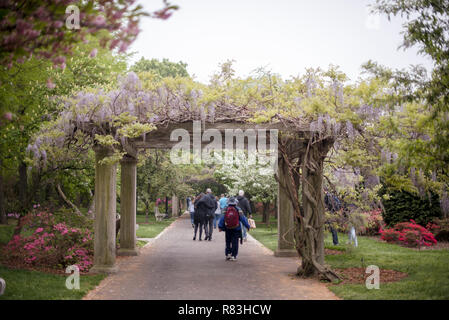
(255, 179)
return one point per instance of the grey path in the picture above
(173, 266)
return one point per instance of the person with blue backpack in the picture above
(230, 224)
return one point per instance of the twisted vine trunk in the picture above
(310, 229)
(310, 243)
(307, 171)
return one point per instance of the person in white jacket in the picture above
(352, 237)
(192, 211)
(217, 213)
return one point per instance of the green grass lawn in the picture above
(153, 228)
(33, 285)
(268, 235)
(7, 230)
(428, 270)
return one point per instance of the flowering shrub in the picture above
(342, 221)
(440, 229)
(373, 222)
(50, 244)
(409, 234)
(366, 223)
(13, 215)
(160, 203)
(433, 227)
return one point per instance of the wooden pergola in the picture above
(294, 146)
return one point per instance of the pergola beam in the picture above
(160, 138)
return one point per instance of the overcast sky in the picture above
(286, 36)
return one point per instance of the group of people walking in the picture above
(230, 215)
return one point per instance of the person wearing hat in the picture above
(230, 224)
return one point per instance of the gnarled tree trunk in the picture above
(23, 196)
(147, 210)
(23, 187)
(309, 219)
(3, 217)
(266, 213)
(310, 242)
(70, 203)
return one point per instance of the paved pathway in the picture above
(173, 266)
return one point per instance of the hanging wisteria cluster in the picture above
(325, 125)
(346, 177)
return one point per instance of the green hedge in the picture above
(403, 206)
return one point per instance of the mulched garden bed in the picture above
(439, 246)
(358, 275)
(332, 252)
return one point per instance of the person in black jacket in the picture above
(198, 217)
(210, 215)
(246, 208)
(332, 204)
(204, 209)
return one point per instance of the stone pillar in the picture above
(285, 215)
(128, 207)
(105, 215)
(174, 206)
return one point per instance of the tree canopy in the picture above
(163, 69)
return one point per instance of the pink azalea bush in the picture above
(13, 215)
(50, 244)
(160, 203)
(409, 234)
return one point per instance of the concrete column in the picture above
(105, 213)
(174, 206)
(285, 217)
(128, 207)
